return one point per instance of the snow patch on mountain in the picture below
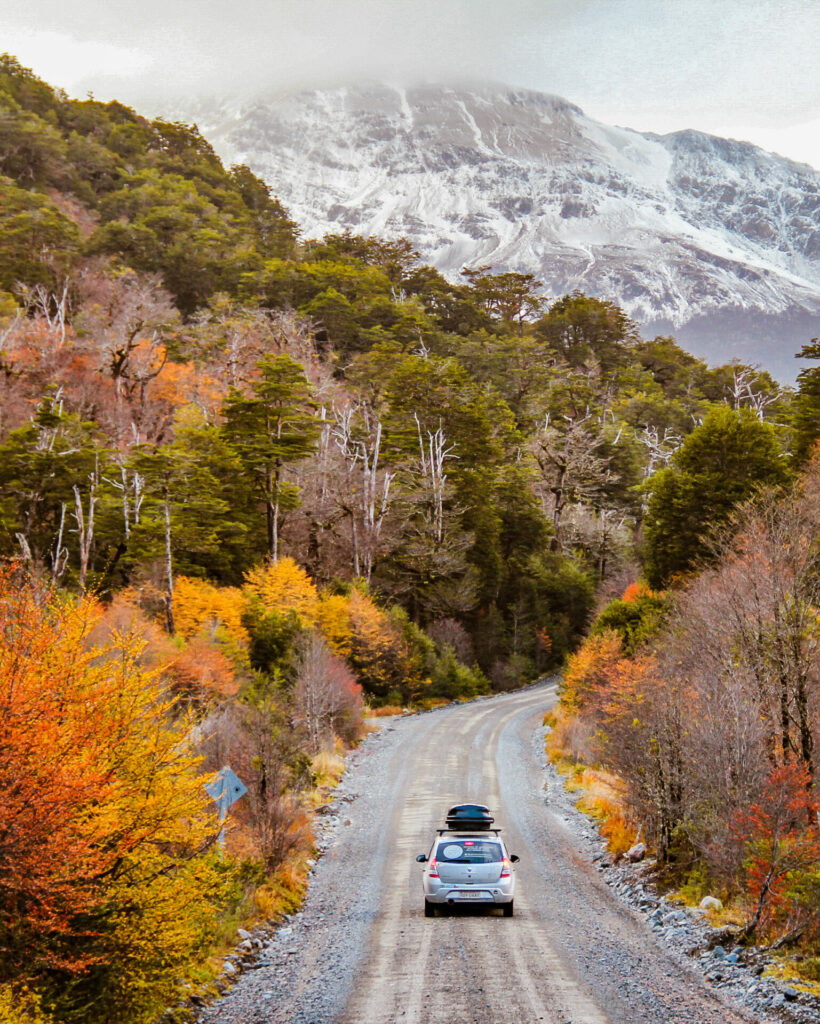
(672, 227)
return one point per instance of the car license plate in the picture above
(473, 894)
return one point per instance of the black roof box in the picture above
(469, 816)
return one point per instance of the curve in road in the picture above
(362, 951)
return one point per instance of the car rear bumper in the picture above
(474, 894)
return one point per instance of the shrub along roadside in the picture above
(114, 889)
(708, 721)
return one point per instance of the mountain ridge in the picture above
(677, 228)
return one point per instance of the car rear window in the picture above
(468, 851)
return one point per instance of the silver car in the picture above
(468, 867)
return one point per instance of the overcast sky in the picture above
(747, 69)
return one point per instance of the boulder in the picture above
(710, 903)
(636, 853)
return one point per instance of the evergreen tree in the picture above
(47, 467)
(184, 518)
(720, 464)
(806, 416)
(269, 429)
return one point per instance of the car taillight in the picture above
(433, 870)
(505, 868)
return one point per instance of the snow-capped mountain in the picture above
(714, 240)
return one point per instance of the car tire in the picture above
(508, 909)
(429, 909)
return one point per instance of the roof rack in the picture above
(467, 831)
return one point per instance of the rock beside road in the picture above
(737, 973)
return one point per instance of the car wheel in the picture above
(508, 909)
(429, 909)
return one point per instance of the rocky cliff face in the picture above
(715, 240)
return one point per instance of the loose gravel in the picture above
(360, 951)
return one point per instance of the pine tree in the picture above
(806, 421)
(270, 428)
(720, 464)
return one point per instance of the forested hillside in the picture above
(269, 476)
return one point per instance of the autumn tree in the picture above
(762, 599)
(782, 841)
(257, 739)
(646, 725)
(107, 887)
(131, 319)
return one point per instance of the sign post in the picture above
(225, 790)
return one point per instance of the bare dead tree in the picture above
(130, 316)
(742, 392)
(52, 306)
(132, 491)
(569, 456)
(85, 524)
(169, 562)
(59, 559)
(659, 447)
(357, 434)
(9, 329)
(433, 454)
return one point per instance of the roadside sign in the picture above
(225, 790)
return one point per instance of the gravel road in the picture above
(361, 951)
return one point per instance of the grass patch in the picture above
(600, 792)
(328, 768)
(802, 973)
(602, 800)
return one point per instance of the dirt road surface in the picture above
(362, 951)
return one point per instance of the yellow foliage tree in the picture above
(203, 610)
(283, 587)
(334, 623)
(379, 656)
(19, 1006)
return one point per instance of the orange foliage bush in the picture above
(203, 671)
(782, 840)
(588, 670)
(181, 384)
(635, 591)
